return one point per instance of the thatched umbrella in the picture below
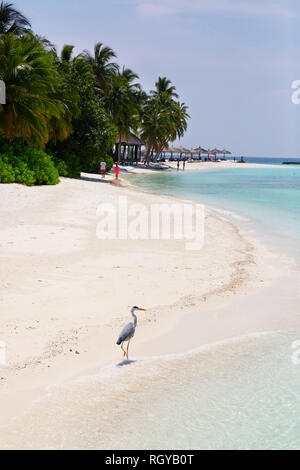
(210, 152)
(189, 152)
(200, 150)
(193, 152)
(225, 152)
(215, 152)
(170, 150)
(183, 151)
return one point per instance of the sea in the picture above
(268, 160)
(241, 393)
(257, 160)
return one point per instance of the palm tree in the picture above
(66, 62)
(163, 85)
(178, 121)
(155, 126)
(65, 59)
(163, 119)
(123, 103)
(12, 20)
(67, 53)
(129, 76)
(73, 66)
(45, 43)
(38, 103)
(103, 67)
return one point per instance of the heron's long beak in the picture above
(143, 309)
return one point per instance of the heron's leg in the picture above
(128, 348)
(123, 349)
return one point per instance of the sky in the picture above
(232, 61)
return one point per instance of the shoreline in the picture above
(196, 166)
(94, 401)
(240, 278)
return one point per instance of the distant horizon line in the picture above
(255, 156)
(251, 156)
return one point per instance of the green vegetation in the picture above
(25, 165)
(64, 113)
(163, 119)
(12, 21)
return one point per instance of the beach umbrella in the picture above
(193, 152)
(182, 150)
(225, 152)
(200, 150)
(211, 152)
(190, 152)
(169, 150)
(215, 152)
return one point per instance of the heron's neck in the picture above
(134, 317)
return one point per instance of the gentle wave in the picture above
(200, 399)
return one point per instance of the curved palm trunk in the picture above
(119, 151)
(147, 156)
(158, 153)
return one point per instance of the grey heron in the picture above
(129, 331)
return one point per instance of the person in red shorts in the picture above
(117, 171)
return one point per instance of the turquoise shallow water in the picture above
(240, 394)
(268, 197)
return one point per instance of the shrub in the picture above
(67, 163)
(22, 164)
(23, 175)
(61, 167)
(42, 166)
(7, 174)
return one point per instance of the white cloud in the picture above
(216, 7)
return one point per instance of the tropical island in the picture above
(203, 262)
(65, 113)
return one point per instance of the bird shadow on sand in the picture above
(126, 362)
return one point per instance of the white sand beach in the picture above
(198, 165)
(194, 166)
(65, 294)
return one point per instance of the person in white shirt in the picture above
(103, 169)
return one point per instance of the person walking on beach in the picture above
(178, 165)
(117, 171)
(184, 162)
(103, 169)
